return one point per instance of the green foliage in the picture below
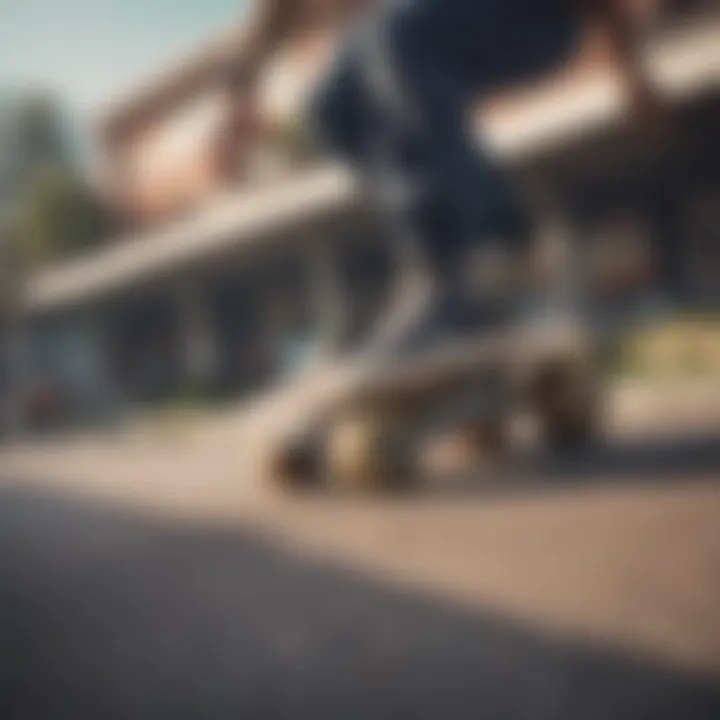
(295, 138)
(41, 129)
(50, 211)
(59, 217)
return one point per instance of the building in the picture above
(226, 275)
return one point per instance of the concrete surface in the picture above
(159, 577)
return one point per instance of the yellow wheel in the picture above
(371, 450)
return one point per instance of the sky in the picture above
(89, 50)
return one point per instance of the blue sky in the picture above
(87, 50)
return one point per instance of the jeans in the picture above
(394, 106)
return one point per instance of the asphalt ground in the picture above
(583, 587)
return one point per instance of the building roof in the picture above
(684, 66)
(170, 84)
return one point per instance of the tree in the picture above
(59, 217)
(40, 131)
(46, 212)
(12, 274)
(55, 213)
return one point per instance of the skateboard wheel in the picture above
(569, 406)
(297, 463)
(486, 439)
(567, 434)
(370, 451)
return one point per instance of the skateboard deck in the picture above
(374, 425)
(517, 351)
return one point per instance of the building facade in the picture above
(232, 267)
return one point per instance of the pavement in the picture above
(158, 576)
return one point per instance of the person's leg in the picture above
(425, 100)
(396, 111)
(339, 111)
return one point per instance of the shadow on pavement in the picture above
(657, 458)
(114, 615)
(657, 461)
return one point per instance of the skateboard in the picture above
(371, 435)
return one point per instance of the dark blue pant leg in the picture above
(395, 109)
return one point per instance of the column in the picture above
(198, 340)
(329, 300)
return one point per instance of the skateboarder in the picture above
(393, 106)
